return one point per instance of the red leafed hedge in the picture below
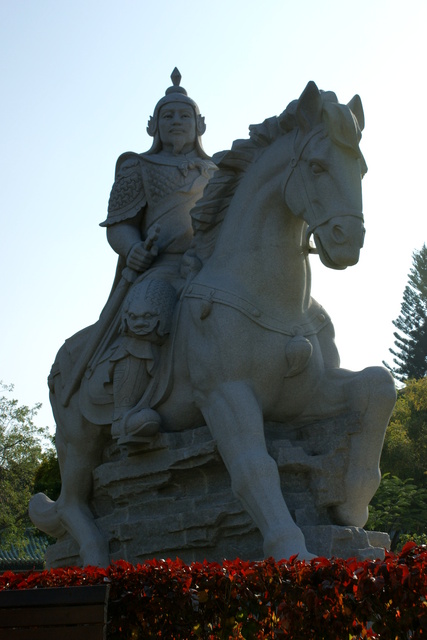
(321, 600)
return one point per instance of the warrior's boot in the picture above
(129, 383)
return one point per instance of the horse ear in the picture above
(309, 109)
(355, 106)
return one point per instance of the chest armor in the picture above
(161, 181)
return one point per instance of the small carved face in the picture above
(177, 127)
(141, 320)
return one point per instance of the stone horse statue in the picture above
(250, 344)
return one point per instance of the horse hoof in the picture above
(94, 555)
(287, 544)
(350, 515)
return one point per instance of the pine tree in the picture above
(411, 338)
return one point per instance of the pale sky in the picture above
(80, 79)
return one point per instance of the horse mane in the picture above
(209, 212)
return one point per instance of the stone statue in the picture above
(241, 343)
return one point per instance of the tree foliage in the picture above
(400, 505)
(22, 446)
(405, 447)
(47, 478)
(410, 356)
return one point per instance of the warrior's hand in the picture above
(139, 258)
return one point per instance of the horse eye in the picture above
(316, 168)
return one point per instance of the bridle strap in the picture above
(293, 164)
(296, 157)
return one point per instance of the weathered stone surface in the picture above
(172, 497)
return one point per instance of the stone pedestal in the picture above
(171, 497)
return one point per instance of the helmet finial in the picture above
(176, 77)
(176, 80)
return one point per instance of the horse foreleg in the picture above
(371, 392)
(235, 419)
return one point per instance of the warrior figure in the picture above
(149, 226)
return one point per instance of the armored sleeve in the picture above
(127, 196)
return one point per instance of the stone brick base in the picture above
(171, 497)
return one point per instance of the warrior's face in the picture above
(177, 127)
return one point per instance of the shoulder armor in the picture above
(127, 195)
(126, 163)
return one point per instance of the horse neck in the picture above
(258, 252)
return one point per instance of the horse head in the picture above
(323, 181)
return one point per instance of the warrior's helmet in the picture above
(175, 93)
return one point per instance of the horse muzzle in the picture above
(339, 240)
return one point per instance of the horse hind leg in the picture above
(79, 447)
(43, 511)
(236, 422)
